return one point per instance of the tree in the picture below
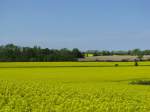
(136, 52)
(77, 53)
(135, 62)
(140, 57)
(11, 52)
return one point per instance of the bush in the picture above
(136, 64)
(116, 65)
(141, 82)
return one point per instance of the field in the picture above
(74, 87)
(113, 58)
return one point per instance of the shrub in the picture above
(141, 82)
(116, 65)
(136, 64)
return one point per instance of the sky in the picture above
(83, 24)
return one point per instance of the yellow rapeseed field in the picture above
(74, 87)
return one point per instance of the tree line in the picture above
(134, 52)
(14, 53)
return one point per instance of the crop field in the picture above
(113, 58)
(74, 87)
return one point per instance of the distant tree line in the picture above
(14, 53)
(134, 52)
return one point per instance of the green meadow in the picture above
(74, 87)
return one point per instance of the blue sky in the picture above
(83, 24)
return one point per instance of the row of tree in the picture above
(11, 52)
(134, 52)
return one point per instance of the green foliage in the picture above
(140, 82)
(116, 65)
(134, 52)
(136, 63)
(140, 57)
(15, 53)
